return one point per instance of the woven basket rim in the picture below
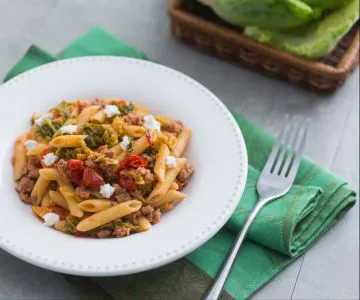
(344, 66)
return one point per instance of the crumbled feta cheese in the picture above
(107, 190)
(151, 123)
(125, 142)
(111, 111)
(29, 144)
(68, 129)
(50, 159)
(51, 219)
(39, 121)
(171, 162)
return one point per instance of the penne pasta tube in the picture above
(99, 117)
(47, 201)
(161, 188)
(166, 207)
(141, 109)
(171, 196)
(33, 132)
(164, 121)
(50, 174)
(182, 141)
(117, 149)
(160, 163)
(68, 141)
(19, 158)
(134, 131)
(174, 186)
(109, 215)
(37, 150)
(86, 114)
(139, 147)
(58, 199)
(39, 189)
(143, 223)
(68, 192)
(95, 205)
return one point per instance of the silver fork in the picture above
(275, 181)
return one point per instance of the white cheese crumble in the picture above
(111, 111)
(150, 123)
(125, 142)
(171, 162)
(50, 159)
(68, 129)
(39, 121)
(30, 144)
(107, 190)
(51, 219)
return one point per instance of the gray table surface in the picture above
(330, 270)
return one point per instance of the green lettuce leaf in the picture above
(315, 40)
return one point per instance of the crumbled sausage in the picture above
(133, 119)
(149, 181)
(61, 166)
(33, 165)
(146, 210)
(103, 233)
(184, 176)
(82, 192)
(24, 188)
(174, 127)
(120, 194)
(121, 232)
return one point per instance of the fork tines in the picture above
(286, 154)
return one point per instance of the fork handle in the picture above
(217, 286)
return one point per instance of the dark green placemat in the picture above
(283, 230)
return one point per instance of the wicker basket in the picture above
(196, 25)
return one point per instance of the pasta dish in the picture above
(103, 168)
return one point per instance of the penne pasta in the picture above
(68, 141)
(33, 134)
(47, 201)
(71, 200)
(171, 196)
(84, 175)
(134, 131)
(95, 205)
(58, 199)
(99, 117)
(143, 223)
(86, 114)
(174, 186)
(161, 188)
(160, 163)
(182, 141)
(139, 146)
(40, 189)
(50, 174)
(37, 150)
(19, 158)
(108, 215)
(141, 109)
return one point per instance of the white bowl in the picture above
(217, 151)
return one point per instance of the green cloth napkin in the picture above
(283, 230)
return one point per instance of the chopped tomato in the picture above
(127, 182)
(92, 178)
(149, 138)
(76, 176)
(75, 164)
(134, 161)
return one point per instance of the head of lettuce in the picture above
(307, 28)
